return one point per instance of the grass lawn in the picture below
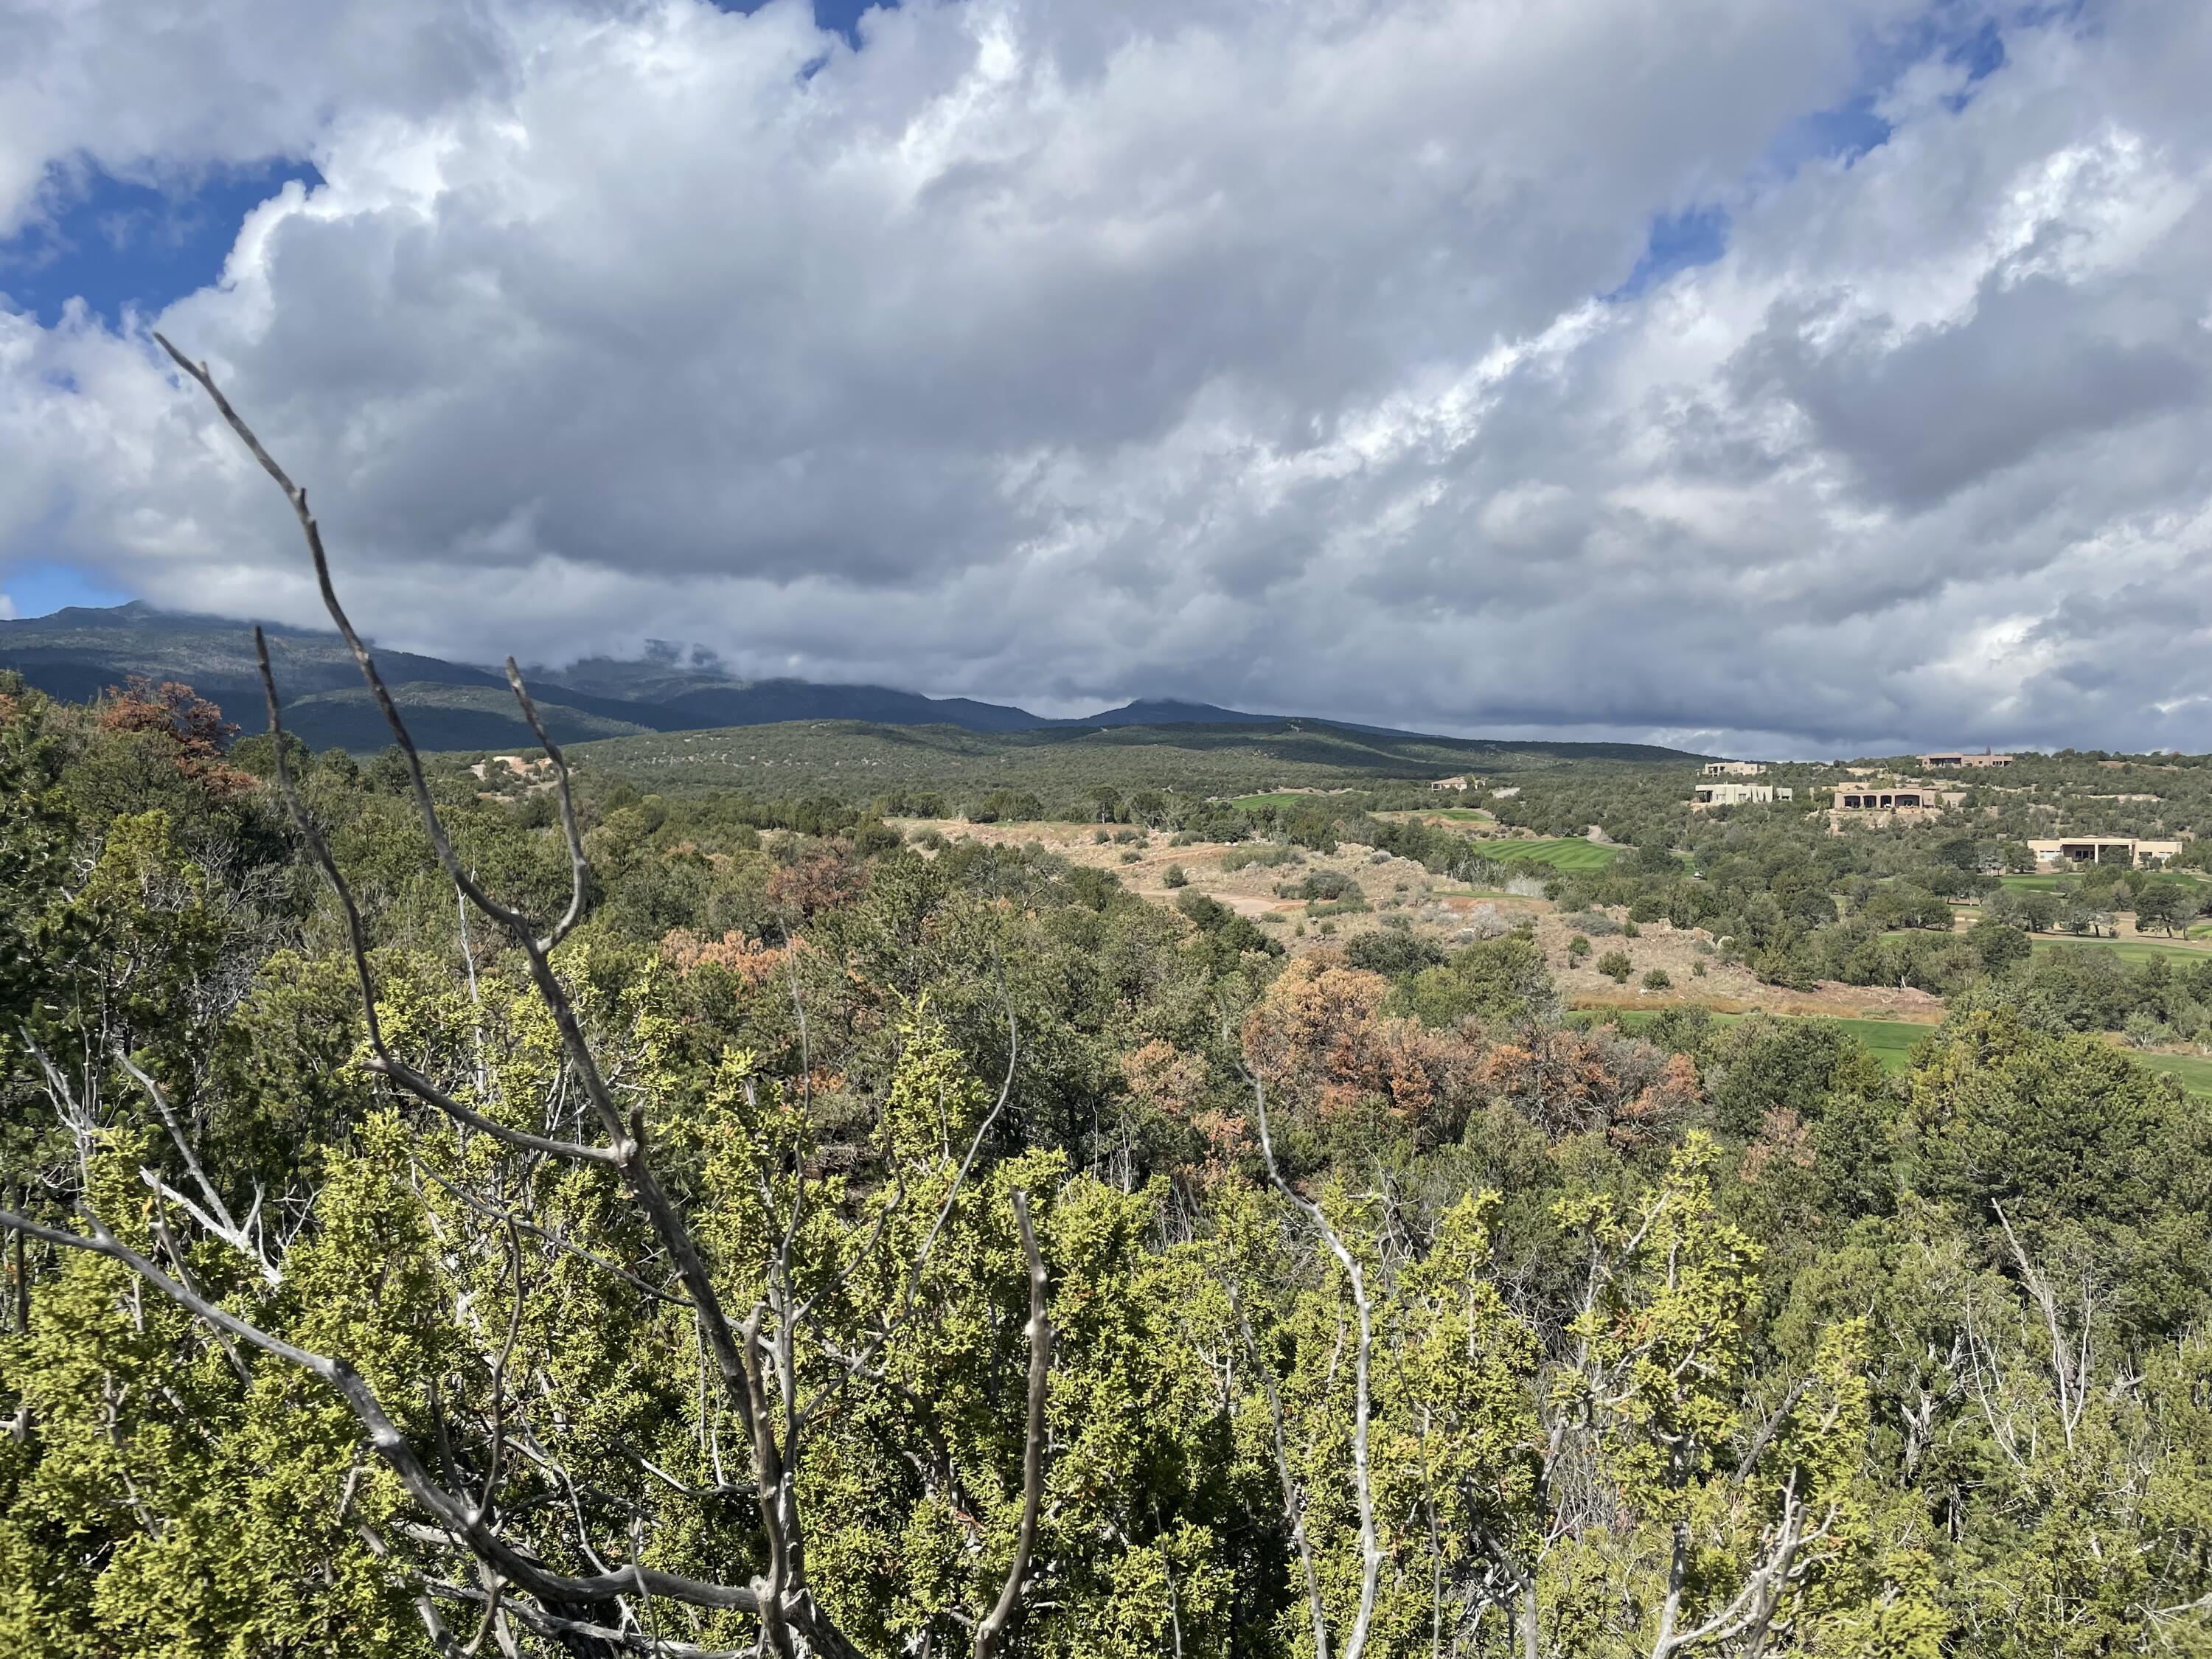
(2059, 881)
(2128, 949)
(1560, 854)
(1279, 798)
(2194, 1072)
(1890, 1041)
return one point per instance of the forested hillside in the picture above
(449, 1213)
(863, 765)
(79, 652)
(790, 1236)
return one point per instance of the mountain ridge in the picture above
(78, 652)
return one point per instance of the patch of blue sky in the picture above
(1677, 241)
(842, 16)
(39, 587)
(1963, 33)
(1841, 133)
(116, 243)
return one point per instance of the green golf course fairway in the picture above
(1892, 1042)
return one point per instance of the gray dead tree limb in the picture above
(752, 1357)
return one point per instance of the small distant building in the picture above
(1958, 758)
(1733, 768)
(1461, 784)
(1876, 805)
(1708, 795)
(2093, 849)
(1890, 798)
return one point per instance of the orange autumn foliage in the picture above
(1174, 1084)
(194, 726)
(1319, 1037)
(819, 881)
(1568, 1082)
(1785, 1141)
(752, 964)
(1164, 1077)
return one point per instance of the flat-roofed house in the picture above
(1876, 805)
(1733, 768)
(2093, 849)
(1708, 795)
(1957, 758)
(1889, 798)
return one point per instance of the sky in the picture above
(1753, 375)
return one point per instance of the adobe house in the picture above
(1911, 796)
(2093, 849)
(1959, 757)
(1708, 795)
(1876, 805)
(1733, 768)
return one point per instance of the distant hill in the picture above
(76, 653)
(857, 762)
(1155, 711)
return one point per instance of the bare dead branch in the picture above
(508, 1217)
(579, 869)
(382, 1061)
(168, 1242)
(857, 1364)
(2069, 1361)
(769, 1476)
(1370, 1547)
(1294, 1508)
(991, 1631)
(313, 531)
(547, 1623)
(791, 1619)
(454, 1515)
(498, 1438)
(1764, 1438)
(229, 1228)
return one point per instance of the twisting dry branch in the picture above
(1750, 1615)
(2069, 1359)
(1370, 1546)
(623, 1152)
(1294, 1507)
(792, 1622)
(991, 1631)
(455, 1515)
(218, 1217)
(382, 1061)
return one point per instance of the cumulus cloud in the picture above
(1284, 356)
(163, 91)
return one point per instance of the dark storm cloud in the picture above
(2031, 367)
(1231, 350)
